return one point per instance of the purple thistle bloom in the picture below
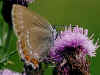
(70, 50)
(9, 72)
(73, 37)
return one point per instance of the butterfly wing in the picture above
(34, 33)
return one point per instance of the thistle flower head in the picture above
(9, 72)
(73, 39)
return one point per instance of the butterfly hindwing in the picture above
(34, 32)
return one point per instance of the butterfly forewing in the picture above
(34, 32)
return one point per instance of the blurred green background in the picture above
(85, 13)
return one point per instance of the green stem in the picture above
(5, 58)
(8, 39)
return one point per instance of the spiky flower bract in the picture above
(70, 50)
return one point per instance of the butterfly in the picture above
(35, 35)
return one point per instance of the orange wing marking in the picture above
(25, 52)
(27, 57)
(35, 62)
(22, 44)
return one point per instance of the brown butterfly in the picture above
(35, 35)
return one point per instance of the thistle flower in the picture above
(9, 72)
(73, 37)
(70, 50)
